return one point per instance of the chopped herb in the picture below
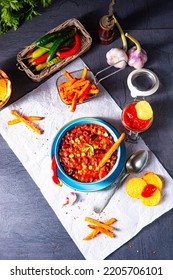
(88, 147)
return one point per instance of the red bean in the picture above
(99, 151)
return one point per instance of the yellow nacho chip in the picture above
(135, 186)
(144, 110)
(5, 88)
(154, 179)
(152, 200)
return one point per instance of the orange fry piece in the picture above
(83, 89)
(93, 91)
(93, 86)
(74, 102)
(92, 234)
(28, 118)
(84, 74)
(102, 230)
(28, 123)
(96, 231)
(111, 150)
(83, 93)
(64, 85)
(68, 75)
(100, 224)
(77, 84)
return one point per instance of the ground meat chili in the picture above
(81, 150)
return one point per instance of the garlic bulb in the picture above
(116, 55)
(137, 57)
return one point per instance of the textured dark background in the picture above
(29, 228)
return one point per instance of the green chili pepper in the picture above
(88, 147)
(67, 43)
(44, 65)
(52, 36)
(59, 41)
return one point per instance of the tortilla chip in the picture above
(153, 200)
(144, 110)
(135, 186)
(154, 179)
(5, 88)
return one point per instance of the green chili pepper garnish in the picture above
(88, 147)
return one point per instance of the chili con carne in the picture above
(81, 150)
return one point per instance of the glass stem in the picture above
(132, 137)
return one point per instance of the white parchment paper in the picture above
(34, 150)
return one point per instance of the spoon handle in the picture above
(115, 186)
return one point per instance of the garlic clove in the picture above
(65, 201)
(70, 199)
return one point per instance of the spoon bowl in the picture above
(135, 164)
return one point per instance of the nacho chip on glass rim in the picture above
(5, 88)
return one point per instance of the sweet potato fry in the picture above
(102, 230)
(84, 74)
(83, 93)
(78, 84)
(28, 123)
(96, 231)
(111, 150)
(93, 91)
(74, 102)
(100, 224)
(68, 75)
(91, 235)
(28, 118)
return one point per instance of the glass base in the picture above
(132, 137)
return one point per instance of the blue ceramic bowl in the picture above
(96, 185)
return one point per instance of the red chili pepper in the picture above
(73, 50)
(30, 53)
(148, 190)
(65, 49)
(40, 59)
(54, 168)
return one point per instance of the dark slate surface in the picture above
(29, 228)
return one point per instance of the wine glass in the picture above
(132, 123)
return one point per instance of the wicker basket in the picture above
(86, 42)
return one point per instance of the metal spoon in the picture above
(134, 164)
